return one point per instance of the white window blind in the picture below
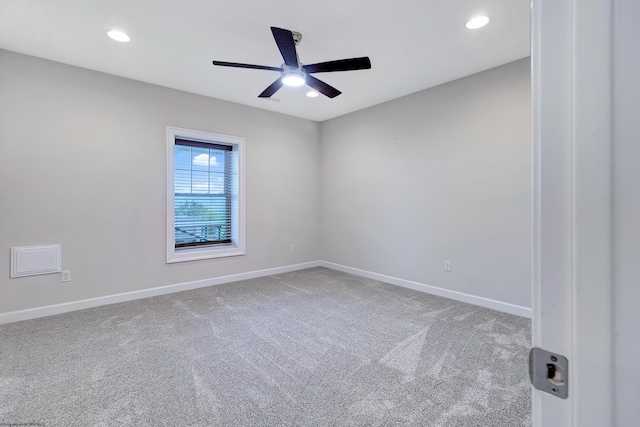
(202, 193)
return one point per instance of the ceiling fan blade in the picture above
(322, 87)
(238, 65)
(284, 40)
(273, 88)
(340, 65)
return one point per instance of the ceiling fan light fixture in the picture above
(294, 73)
(118, 35)
(477, 22)
(293, 78)
(312, 94)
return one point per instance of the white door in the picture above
(572, 69)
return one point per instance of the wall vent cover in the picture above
(32, 260)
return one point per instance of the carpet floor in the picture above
(315, 347)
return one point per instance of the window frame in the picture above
(237, 245)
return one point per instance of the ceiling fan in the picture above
(294, 73)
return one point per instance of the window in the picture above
(205, 195)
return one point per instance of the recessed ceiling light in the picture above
(312, 94)
(477, 22)
(118, 35)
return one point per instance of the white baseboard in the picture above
(49, 310)
(434, 290)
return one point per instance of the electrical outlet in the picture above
(66, 275)
(447, 266)
(293, 248)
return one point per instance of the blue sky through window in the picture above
(199, 170)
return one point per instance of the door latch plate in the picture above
(549, 372)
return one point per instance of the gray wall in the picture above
(395, 189)
(626, 212)
(82, 163)
(444, 174)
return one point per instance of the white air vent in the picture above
(32, 260)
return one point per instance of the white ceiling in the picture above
(413, 44)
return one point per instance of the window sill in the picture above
(195, 254)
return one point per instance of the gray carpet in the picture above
(310, 348)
